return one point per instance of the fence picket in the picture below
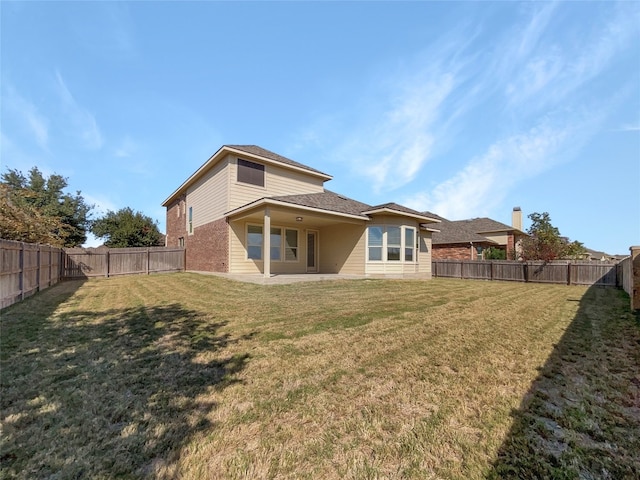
(560, 272)
(28, 268)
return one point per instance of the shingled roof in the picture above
(457, 232)
(263, 152)
(327, 200)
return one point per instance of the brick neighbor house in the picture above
(468, 239)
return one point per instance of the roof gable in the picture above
(267, 154)
(251, 151)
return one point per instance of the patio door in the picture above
(312, 251)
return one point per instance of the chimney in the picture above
(516, 218)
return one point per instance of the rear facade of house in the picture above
(248, 210)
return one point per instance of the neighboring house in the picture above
(222, 212)
(468, 239)
(597, 256)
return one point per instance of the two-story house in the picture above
(248, 210)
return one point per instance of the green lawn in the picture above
(193, 376)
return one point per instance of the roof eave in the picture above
(271, 202)
(400, 213)
(243, 153)
(189, 181)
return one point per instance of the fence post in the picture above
(106, 273)
(21, 274)
(491, 270)
(38, 265)
(635, 278)
(525, 271)
(148, 260)
(569, 273)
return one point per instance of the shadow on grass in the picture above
(581, 416)
(108, 394)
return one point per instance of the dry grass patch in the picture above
(197, 377)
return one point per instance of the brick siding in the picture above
(452, 252)
(176, 223)
(208, 247)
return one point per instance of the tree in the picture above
(546, 243)
(493, 253)
(36, 209)
(126, 228)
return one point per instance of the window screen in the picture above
(249, 172)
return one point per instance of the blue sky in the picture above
(464, 109)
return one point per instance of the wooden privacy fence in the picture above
(109, 262)
(562, 272)
(27, 268)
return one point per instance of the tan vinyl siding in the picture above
(342, 249)
(424, 252)
(238, 262)
(278, 181)
(208, 196)
(499, 238)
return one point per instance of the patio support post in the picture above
(267, 243)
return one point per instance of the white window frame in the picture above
(261, 245)
(385, 244)
(282, 247)
(295, 249)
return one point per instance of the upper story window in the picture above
(251, 173)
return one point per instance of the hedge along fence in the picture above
(27, 268)
(560, 272)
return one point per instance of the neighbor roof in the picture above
(457, 232)
(487, 225)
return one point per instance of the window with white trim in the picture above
(190, 219)
(290, 245)
(276, 243)
(394, 243)
(391, 243)
(374, 236)
(409, 244)
(287, 242)
(254, 242)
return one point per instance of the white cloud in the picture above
(126, 148)
(547, 72)
(28, 114)
(392, 144)
(100, 203)
(80, 119)
(630, 128)
(482, 185)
